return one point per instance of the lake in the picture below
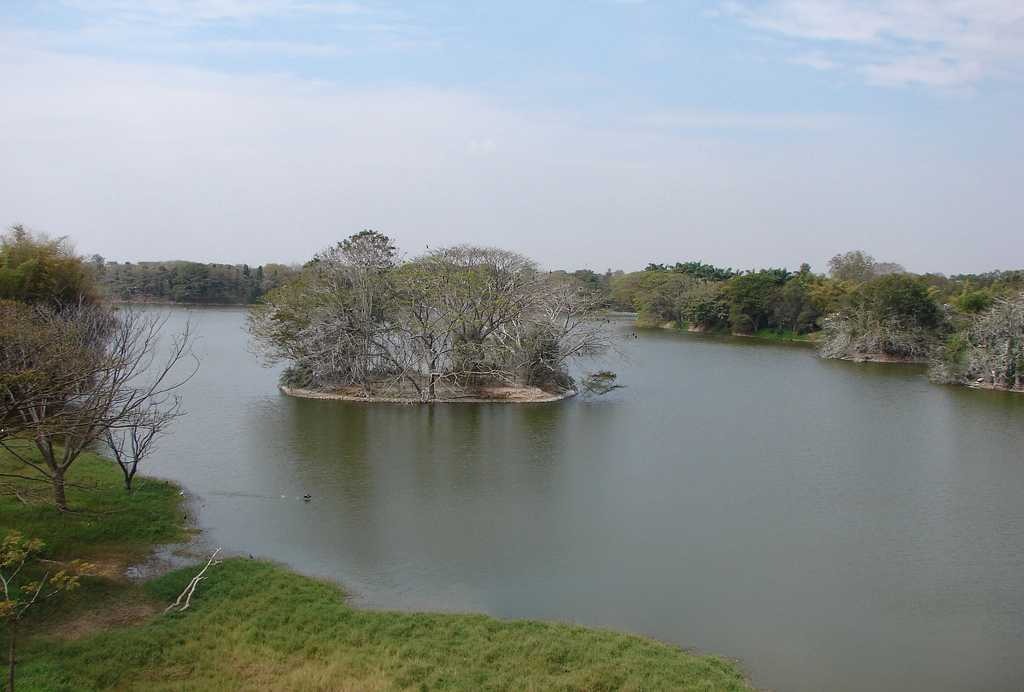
(831, 525)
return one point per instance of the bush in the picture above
(894, 315)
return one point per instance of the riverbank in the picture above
(256, 625)
(882, 358)
(160, 303)
(489, 395)
(785, 336)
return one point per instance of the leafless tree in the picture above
(990, 352)
(454, 318)
(858, 266)
(860, 333)
(333, 324)
(104, 374)
(135, 438)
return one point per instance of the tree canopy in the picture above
(41, 270)
(187, 282)
(450, 322)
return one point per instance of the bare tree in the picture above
(109, 373)
(990, 352)
(855, 266)
(449, 322)
(858, 266)
(136, 436)
(333, 323)
(859, 333)
(36, 353)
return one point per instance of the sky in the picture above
(582, 133)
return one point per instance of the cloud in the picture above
(482, 147)
(297, 28)
(723, 120)
(939, 43)
(929, 70)
(245, 47)
(816, 60)
(207, 11)
(151, 161)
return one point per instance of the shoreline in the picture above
(881, 358)
(989, 387)
(173, 304)
(546, 398)
(696, 329)
(115, 631)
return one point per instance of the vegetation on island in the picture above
(967, 327)
(416, 339)
(454, 322)
(988, 351)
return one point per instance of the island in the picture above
(461, 323)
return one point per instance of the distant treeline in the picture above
(188, 282)
(710, 298)
(969, 327)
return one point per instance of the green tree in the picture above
(24, 583)
(38, 269)
(706, 306)
(902, 297)
(706, 272)
(974, 302)
(895, 315)
(752, 298)
(794, 307)
(660, 296)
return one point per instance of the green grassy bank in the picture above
(770, 334)
(256, 625)
(786, 335)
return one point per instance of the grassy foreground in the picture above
(256, 625)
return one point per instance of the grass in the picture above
(768, 334)
(257, 625)
(104, 517)
(784, 335)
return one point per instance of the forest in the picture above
(187, 282)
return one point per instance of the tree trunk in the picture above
(59, 498)
(11, 657)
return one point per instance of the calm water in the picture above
(833, 526)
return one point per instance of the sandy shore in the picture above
(491, 395)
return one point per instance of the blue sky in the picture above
(596, 132)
